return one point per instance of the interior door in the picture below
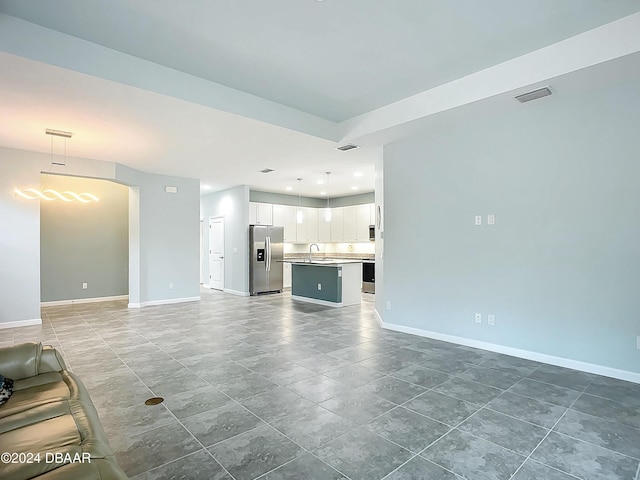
(216, 253)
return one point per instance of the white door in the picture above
(216, 253)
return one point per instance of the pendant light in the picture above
(50, 194)
(327, 211)
(299, 214)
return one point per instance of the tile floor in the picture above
(268, 388)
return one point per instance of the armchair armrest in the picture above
(29, 359)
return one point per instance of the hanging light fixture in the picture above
(299, 214)
(49, 194)
(327, 211)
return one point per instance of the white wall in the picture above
(233, 205)
(560, 269)
(166, 230)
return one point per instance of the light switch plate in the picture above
(491, 319)
(491, 219)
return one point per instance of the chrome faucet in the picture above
(310, 247)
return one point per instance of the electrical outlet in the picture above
(85, 286)
(319, 286)
(171, 286)
(491, 319)
(477, 220)
(388, 304)
(491, 219)
(478, 318)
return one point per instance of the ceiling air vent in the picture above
(534, 95)
(267, 170)
(346, 148)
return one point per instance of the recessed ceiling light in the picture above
(323, 193)
(205, 187)
(354, 188)
(289, 188)
(357, 174)
(320, 182)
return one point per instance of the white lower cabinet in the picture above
(286, 275)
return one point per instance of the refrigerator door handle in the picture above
(268, 262)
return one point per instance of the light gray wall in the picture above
(283, 199)
(560, 269)
(233, 205)
(84, 242)
(168, 235)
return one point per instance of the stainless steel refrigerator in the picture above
(266, 250)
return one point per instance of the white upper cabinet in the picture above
(260, 213)
(285, 216)
(337, 224)
(324, 227)
(308, 229)
(364, 218)
(350, 223)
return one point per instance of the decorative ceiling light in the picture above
(299, 214)
(49, 194)
(327, 211)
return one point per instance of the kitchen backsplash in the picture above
(338, 250)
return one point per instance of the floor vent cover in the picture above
(154, 401)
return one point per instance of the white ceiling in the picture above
(219, 89)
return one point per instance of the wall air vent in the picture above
(533, 95)
(346, 148)
(267, 170)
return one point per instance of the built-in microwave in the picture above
(372, 232)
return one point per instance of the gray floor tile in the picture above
(392, 389)
(409, 355)
(313, 426)
(408, 429)
(306, 467)
(255, 452)
(384, 364)
(354, 375)
(488, 376)
(608, 409)
(221, 423)
(473, 457)
(447, 364)
(276, 403)
(318, 388)
(616, 437)
(508, 432)
(545, 392)
(322, 363)
(468, 391)
(425, 377)
(138, 453)
(357, 407)
(134, 420)
(420, 469)
(532, 470)
(584, 460)
(196, 466)
(563, 377)
(362, 455)
(618, 390)
(247, 386)
(191, 402)
(441, 407)
(527, 409)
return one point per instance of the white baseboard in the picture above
(83, 300)
(321, 302)
(167, 301)
(21, 323)
(236, 292)
(517, 352)
(378, 317)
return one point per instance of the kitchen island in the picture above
(335, 283)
